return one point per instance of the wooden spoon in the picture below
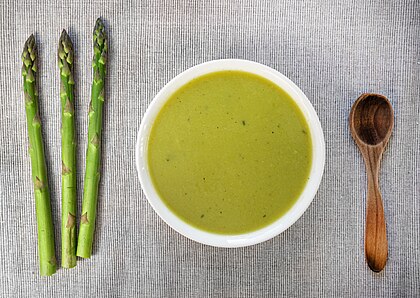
(371, 123)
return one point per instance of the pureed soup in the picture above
(230, 152)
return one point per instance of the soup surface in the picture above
(230, 152)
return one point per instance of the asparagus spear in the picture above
(46, 248)
(68, 152)
(93, 155)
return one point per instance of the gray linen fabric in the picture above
(333, 50)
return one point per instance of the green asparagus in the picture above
(46, 248)
(93, 155)
(68, 152)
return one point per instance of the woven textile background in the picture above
(333, 50)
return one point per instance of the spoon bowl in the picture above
(372, 116)
(371, 123)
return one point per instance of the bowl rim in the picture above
(267, 232)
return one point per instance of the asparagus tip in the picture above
(65, 53)
(29, 55)
(99, 22)
(30, 39)
(30, 42)
(63, 35)
(99, 29)
(65, 39)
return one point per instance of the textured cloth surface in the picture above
(333, 51)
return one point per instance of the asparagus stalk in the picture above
(46, 248)
(68, 152)
(93, 155)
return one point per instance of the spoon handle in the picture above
(376, 244)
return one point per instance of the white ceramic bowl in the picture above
(270, 231)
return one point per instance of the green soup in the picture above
(230, 152)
